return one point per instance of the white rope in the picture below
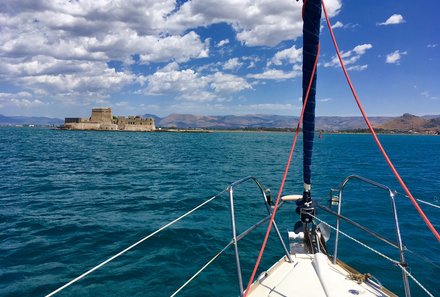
(428, 203)
(421, 201)
(201, 270)
(379, 253)
(133, 245)
(416, 281)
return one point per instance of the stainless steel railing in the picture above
(399, 245)
(236, 238)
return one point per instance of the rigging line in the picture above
(286, 171)
(201, 269)
(373, 133)
(378, 253)
(133, 245)
(428, 203)
(426, 259)
(421, 201)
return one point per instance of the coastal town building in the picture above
(102, 119)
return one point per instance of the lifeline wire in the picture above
(201, 269)
(133, 245)
(377, 252)
(428, 203)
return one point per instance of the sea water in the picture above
(72, 199)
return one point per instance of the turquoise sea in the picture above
(71, 199)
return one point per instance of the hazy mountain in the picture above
(22, 120)
(155, 117)
(347, 123)
(261, 120)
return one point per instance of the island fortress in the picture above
(102, 119)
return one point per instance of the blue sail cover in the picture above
(311, 26)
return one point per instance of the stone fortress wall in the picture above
(102, 119)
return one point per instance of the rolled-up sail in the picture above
(311, 28)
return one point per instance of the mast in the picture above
(311, 28)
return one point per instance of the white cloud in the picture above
(338, 24)
(393, 20)
(232, 64)
(189, 85)
(221, 82)
(275, 74)
(256, 22)
(433, 45)
(122, 104)
(428, 95)
(361, 49)
(26, 103)
(178, 48)
(325, 99)
(394, 57)
(223, 42)
(170, 81)
(290, 55)
(20, 100)
(59, 79)
(351, 57)
(66, 51)
(425, 94)
(357, 67)
(263, 108)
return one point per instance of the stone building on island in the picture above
(102, 119)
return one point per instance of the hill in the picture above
(409, 123)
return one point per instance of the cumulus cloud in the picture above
(63, 50)
(256, 22)
(47, 75)
(178, 48)
(223, 42)
(394, 57)
(275, 74)
(290, 55)
(357, 67)
(351, 57)
(232, 64)
(338, 24)
(191, 85)
(20, 99)
(393, 20)
(221, 83)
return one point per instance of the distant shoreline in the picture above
(256, 130)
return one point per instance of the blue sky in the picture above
(208, 57)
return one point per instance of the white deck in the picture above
(301, 278)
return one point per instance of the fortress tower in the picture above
(101, 115)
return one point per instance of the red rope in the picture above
(286, 171)
(376, 139)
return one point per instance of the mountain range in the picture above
(261, 121)
(22, 120)
(405, 123)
